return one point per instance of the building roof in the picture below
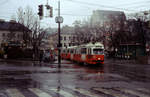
(105, 14)
(12, 26)
(109, 12)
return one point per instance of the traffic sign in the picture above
(59, 19)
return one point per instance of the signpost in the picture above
(59, 20)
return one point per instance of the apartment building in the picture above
(11, 31)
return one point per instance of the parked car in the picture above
(48, 56)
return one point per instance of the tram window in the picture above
(78, 51)
(98, 51)
(89, 51)
(71, 51)
(83, 50)
(75, 51)
(64, 51)
(67, 51)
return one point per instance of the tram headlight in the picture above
(99, 58)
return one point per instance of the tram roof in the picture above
(98, 44)
(93, 44)
(72, 47)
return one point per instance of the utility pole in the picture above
(59, 20)
(59, 44)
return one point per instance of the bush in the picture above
(27, 53)
(1, 53)
(15, 52)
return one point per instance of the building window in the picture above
(64, 44)
(73, 38)
(69, 37)
(18, 36)
(69, 44)
(3, 34)
(64, 37)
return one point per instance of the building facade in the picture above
(11, 32)
(67, 39)
(102, 17)
(107, 20)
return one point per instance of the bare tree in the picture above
(30, 21)
(26, 19)
(84, 33)
(140, 27)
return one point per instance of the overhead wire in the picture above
(138, 6)
(93, 4)
(90, 4)
(4, 2)
(133, 3)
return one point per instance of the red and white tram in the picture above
(88, 53)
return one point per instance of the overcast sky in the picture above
(72, 10)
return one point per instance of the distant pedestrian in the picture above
(114, 55)
(33, 56)
(5, 56)
(41, 56)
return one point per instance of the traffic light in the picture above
(51, 11)
(47, 7)
(40, 13)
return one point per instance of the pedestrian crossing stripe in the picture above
(133, 92)
(85, 92)
(116, 92)
(110, 92)
(14, 93)
(39, 92)
(62, 92)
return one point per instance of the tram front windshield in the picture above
(98, 51)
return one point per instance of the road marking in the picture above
(39, 92)
(64, 93)
(110, 92)
(85, 92)
(14, 93)
(132, 92)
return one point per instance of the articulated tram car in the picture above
(89, 53)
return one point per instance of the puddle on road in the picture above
(111, 73)
(2, 94)
(90, 69)
(133, 73)
(17, 79)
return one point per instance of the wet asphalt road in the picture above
(34, 79)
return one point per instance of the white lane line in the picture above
(64, 93)
(39, 92)
(133, 92)
(85, 92)
(14, 93)
(110, 92)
